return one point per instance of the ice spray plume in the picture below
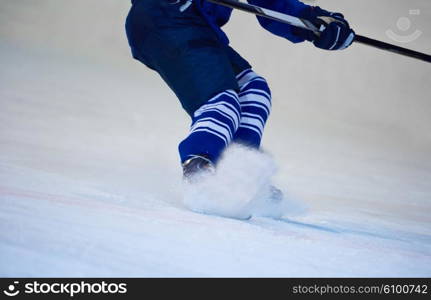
(240, 188)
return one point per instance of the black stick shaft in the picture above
(267, 13)
(294, 21)
(392, 48)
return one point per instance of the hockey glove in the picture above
(335, 32)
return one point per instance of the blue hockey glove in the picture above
(336, 33)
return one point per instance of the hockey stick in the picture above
(305, 24)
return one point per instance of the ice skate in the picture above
(196, 167)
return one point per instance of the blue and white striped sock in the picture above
(213, 127)
(255, 101)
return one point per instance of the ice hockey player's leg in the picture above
(255, 100)
(213, 127)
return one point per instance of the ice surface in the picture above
(90, 183)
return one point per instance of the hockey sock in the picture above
(255, 101)
(213, 127)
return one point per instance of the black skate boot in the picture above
(275, 194)
(196, 166)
